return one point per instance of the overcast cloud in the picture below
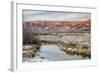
(51, 15)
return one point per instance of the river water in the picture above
(52, 53)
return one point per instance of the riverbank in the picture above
(76, 49)
(30, 51)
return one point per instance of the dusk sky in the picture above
(51, 15)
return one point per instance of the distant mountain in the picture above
(47, 26)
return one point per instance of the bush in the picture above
(85, 47)
(73, 45)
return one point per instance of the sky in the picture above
(52, 15)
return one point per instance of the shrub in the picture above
(85, 47)
(73, 45)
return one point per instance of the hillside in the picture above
(47, 26)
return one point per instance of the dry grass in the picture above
(76, 49)
(30, 52)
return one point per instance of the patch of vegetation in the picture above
(30, 52)
(76, 49)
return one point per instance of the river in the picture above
(52, 53)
